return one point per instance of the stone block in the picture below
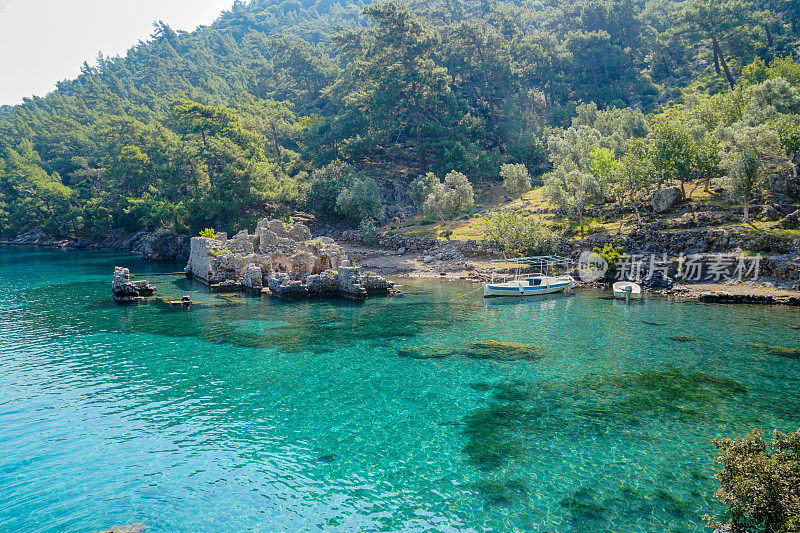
(252, 279)
(300, 232)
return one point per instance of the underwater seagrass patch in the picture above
(502, 351)
(780, 351)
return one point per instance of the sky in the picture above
(45, 41)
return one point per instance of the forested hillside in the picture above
(286, 105)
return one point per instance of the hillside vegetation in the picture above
(339, 108)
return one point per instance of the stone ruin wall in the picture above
(283, 258)
(250, 259)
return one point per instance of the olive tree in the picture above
(673, 152)
(753, 154)
(573, 190)
(636, 173)
(360, 201)
(788, 129)
(448, 198)
(518, 235)
(515, 178)
(608, 171)
(744, 171)
(421, 187)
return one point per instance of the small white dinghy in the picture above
(627, 290)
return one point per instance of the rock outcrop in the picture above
(125, 290)
(665, 199)
(402, 244)
(791, 221)
(692, 241)
(162, 245)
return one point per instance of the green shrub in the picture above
(219, 252)
(611, 253)
(760, 483)
(517, 235)
(369, 231)
(361, 201)
(208, 233)
(326, 184)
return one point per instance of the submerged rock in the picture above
(130, 528)
(514, 390)
(503, 351)
(502, 492)
(583, 507)
(780, 351)
(494, 433)
(682, 338)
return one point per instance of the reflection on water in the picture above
(247, 413)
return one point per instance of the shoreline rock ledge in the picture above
(283, 260)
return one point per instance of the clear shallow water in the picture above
(259, 415)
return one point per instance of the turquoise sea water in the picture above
(250, 414)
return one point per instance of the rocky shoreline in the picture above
(748, 292)
(402, 255)
(161, 245)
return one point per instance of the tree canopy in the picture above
(211, 127)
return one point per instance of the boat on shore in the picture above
(540, 281)
(627, 290)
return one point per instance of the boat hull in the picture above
(635, 292)
(493, 290)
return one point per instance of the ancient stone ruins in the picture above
(284, 260)
(125, 290)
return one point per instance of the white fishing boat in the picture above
(627, 290)
(529, 284)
